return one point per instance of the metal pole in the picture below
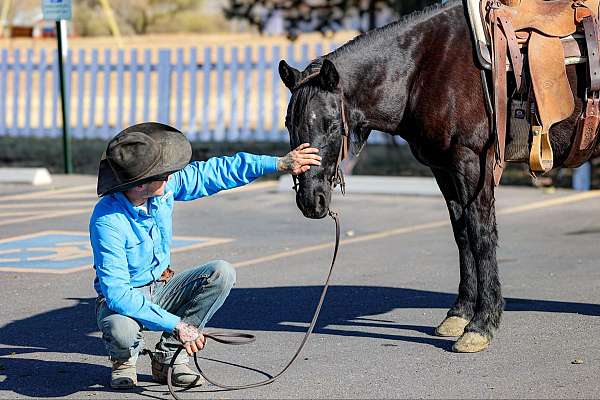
(64, 101)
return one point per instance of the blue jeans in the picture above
(194, 295)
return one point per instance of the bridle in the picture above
(237, 338)
(338, 175)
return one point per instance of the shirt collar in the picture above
(131, 210)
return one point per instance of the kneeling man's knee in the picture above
(223, 274)
(120, 332)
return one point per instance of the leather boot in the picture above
(124, 374)
(183, 375)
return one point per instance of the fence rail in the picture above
(211, 94)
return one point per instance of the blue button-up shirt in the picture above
(132, 247)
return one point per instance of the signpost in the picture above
(61, 11)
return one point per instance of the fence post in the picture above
(42, 94)
(192, 69)
(220, 123)
(133, 71)
(28, 91)
(147, 87)
(206, 68)
(55, 85)
(260, 125)
(233, 123)
(180, 68)
(164, 85)
(94, 67)
(120, 89)
(3, 89)
(106, 111)
(247, 93)
(275, 97)
(16, 91)
(291, 61)
(78, 132)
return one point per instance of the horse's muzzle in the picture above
(313, 205)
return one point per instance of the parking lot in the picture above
(396, 276)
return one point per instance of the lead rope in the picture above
(235, 338)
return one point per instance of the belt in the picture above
(164, 277)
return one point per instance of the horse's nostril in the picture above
(321, 201)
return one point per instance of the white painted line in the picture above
(47, 193)
(421, 227)
(46, 216)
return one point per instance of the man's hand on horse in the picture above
(299, 160)
(190, 337)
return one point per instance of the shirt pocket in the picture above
(139, 256)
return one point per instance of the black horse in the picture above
(418, 78)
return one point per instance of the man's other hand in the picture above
(299, 160)
(190, 337)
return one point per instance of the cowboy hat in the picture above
(139, 153)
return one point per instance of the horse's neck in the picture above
(376, 82)
(378, 73)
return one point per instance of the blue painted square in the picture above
(56, 251)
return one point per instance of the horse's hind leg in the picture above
(475, 189)
(462, 311)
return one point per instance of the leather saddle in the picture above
(543, 36)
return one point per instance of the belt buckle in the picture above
(166, 275)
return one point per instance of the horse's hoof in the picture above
(471, 342)
(451, 326)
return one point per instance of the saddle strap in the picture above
(500, 93)
(586, 135)
(516, 57)
(590, 26)
(586, 132)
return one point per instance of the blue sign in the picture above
(61, 251)
(55, 10)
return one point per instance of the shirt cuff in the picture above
(171, 321)
(269, 164)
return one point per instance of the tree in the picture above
(322, 15)
(140, 15)
(137, 17)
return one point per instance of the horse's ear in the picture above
(328, 76)
(289, 75)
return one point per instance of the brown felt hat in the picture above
(139, 153)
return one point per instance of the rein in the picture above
(235, 338)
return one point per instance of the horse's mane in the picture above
(306, 92)
(394, 28)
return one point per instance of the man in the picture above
(144, 169)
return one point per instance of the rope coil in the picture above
(237, 338)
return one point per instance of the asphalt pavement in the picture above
(396, 276)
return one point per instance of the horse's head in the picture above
(315, 116)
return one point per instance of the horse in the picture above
(418, 78)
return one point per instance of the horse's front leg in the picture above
(475, 188)
(463, 309)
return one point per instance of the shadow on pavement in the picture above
(273, 309)
(355, 308)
